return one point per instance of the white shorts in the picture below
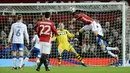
(95, 27)
(45, 47)
(92, 27)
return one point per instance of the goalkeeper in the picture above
(63, 44)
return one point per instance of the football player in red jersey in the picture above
(44, 31)
(90, 24)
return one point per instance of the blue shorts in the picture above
(100, 41)
(36, 51)
(17, 47)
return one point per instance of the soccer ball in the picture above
(72, 9)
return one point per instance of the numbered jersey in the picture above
(17, 32)
(45, 28)
(98, 29)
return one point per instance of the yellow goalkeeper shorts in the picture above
(67, 47)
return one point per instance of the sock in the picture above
(59, 59)
(45, 61)
(21, 61)
(37, 60)
(111, 48)
(26, 59)
(110, 53)
(41, 61)
(14, 61)
(78, 57)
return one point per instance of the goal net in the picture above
(111, 16)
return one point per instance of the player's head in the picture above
(61, 26)
(19, 17)
(47, 15)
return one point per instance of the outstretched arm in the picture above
(54, 38)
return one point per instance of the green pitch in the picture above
(78, 69)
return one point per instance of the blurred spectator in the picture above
(3, 34)
(30, 26)
(10, 20)
(93, 49)
(106, 28)
(4, 38)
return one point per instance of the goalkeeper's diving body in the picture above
(91, 24)
(63, 44)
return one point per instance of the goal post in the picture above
(102, 11)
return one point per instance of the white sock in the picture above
(111, 48)
(14, 62)
(37, 60)
(21, 61)
(26, 60)
(110, 53)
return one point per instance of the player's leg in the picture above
(44, 60)
(27, 57)
(60, 50)
(21, 49)
(114, 48)
(104, 48)
(39, 65)
(38, 55)
(45, 49)
(41, 59)
(85, 28)
(77, 55)
(102, 43)
(25, 60)
(14, 48)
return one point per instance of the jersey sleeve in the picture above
(69, 34)
(54, 29)
(26, 34)
(10, 34)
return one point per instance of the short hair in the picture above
(47, 14)
(60, 24)
(19, 17)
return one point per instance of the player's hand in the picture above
(9, 45)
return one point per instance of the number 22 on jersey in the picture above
(45, 29)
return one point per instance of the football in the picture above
(72, 9)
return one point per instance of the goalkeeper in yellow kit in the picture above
(63, 43)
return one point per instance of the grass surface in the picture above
(78, 69)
